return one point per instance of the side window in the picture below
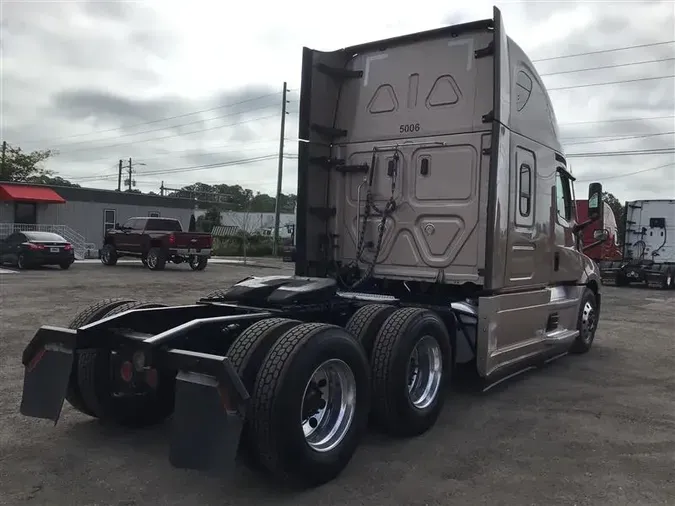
(109, 219)
(563, 196)
(129, 223)
(15, 238)
(139, 223)
(525, 185)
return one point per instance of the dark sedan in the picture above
(32, 249)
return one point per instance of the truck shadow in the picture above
(455, 424)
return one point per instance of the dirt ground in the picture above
(597, 429)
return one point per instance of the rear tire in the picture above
(198, 263)
(587, 322)
(365, 323)
(95, 384)
(283, 394)
(91, 314)
(156, 260)
(247, 354)
(65, 266)
(411, 362)
(109, 255)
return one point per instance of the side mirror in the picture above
(117, 226)
(601, 235)
(595, 204)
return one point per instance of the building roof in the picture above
(71, 193)
(29, 193)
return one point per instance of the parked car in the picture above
(33, 249)
(156, 241)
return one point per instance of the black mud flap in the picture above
(48, 360)
(206, 425)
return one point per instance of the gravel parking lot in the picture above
(592, 430)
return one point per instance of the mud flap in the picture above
(48, 360)
(206, 425)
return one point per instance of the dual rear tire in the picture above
(313, 386)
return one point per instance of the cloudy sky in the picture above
(181, 84)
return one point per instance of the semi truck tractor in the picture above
(600, 240)
(436, 229)
(648, 255)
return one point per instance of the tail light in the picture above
(172, 239)
(68, 247)
(33, 246)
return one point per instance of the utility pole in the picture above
(119, 177)
(161, 189)
(280, 174)
(2, 163)
(130, 174)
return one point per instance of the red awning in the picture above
(25, 193)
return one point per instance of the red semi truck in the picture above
(600, 239)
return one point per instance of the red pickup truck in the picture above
(156, 241)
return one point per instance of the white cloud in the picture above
(78, 67)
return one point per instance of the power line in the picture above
(191, 168)
(603, 67)
(601, 51)
(611, 82)
(169, 126)
(613, 139)
(619, 120)
(173, 135)
(627, 174)
(663, 151)
(168, 154)
(157, 120)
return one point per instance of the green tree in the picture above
(234, 198)
(618, 210)
(52, 181)
(19, 166)
(209, 220)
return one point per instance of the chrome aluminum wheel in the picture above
(588, 322)
(152, 260)
(425, 372)
(328, 405)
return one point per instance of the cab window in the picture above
(563, 196)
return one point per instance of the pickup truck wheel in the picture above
(365, 323)
(156, 260)
(198, 263)
(108, 255)
(587, 322)
(411, 362)
(145, 398)
(247, 354)
(310, 404)
(91, 314)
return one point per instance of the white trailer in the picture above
(648, 245)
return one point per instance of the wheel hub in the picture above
(588, 321)
(425, 371)
(328, 405)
